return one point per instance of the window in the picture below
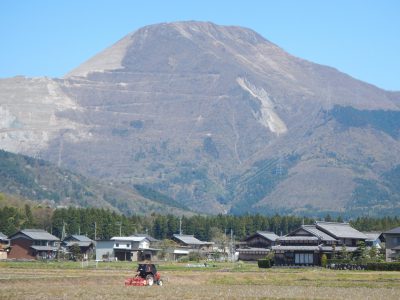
(304, 258)
(116, 244)
(128, 245)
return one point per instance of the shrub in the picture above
(384, 266)
(264, 263)
(324, 260)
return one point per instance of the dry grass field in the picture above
(29, 282)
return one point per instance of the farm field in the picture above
(70, 281)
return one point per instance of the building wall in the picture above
(259, 242)
(103, 248)
(3, 255)
(20, 248)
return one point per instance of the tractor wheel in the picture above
(150, 280)
(160, 282)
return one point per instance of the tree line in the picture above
(99, 223)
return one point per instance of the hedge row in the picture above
(265, 263)
(384, 266)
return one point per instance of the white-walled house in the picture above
(131, 248)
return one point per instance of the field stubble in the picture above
(19, 283)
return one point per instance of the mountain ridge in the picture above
(216, 117)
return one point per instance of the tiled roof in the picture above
(38, 234)
(251, 250)
(372, 236)
(189, 239)
(298, 238)
(44, 248)
(3, 236)
(150, 238)
(81, 238)
(393, 231)
(268, 235)
(298, 248)
(318, 233)
(79, 243)
(340, 230)
(128, 238)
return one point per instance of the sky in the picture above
(52, 37)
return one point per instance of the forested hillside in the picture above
(82, 220)
(43, 182)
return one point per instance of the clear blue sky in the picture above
(358, 37)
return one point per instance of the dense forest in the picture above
(103, 224)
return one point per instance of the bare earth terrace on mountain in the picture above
(217, 118)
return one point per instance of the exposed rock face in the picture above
(216, 117)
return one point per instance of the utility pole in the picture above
(95, 231)
(63, 232)
(180, 225)
(120, 228)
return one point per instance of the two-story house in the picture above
(86, 245)
(306, 245)
(131, 248)
(33, 244)
(392, 243)
(257, 245)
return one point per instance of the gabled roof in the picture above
(340, 230)
(372, 236)
(150, 238)
(37, 234)
(265, 234)
(128, 238)
(318, 233)
(80, 238)
(3, 237)
(393, 231)
(189, 240)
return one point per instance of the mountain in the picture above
(219, 119)
(40, 181)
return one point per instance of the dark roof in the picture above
(37, 234)
(393, 231)
(79, 243)
(265, 234)
(3, 236)
(340, 230)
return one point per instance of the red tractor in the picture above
(146, 275)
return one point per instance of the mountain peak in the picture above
(177, 37)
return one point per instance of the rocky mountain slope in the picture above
(218, 118)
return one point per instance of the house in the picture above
(392, 243)
(192, 243)
(306, 245)
(4, 246)
(86, 245)
(257, 246)
(261, 239)
(130, 248)
(374, 239)
(33, 244)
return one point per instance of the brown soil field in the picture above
(24, 283)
